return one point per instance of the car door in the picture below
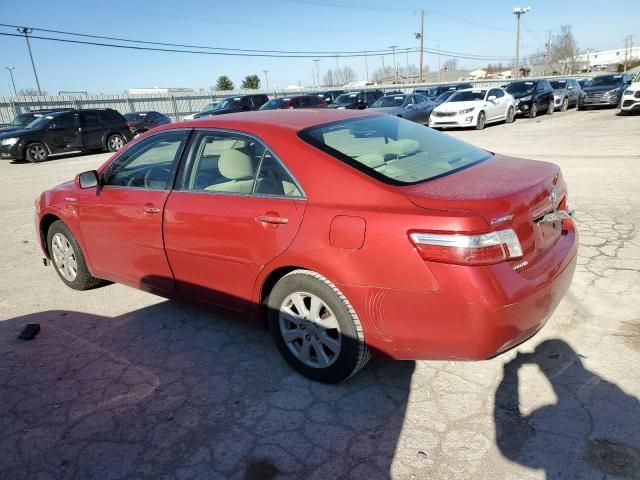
(63, 132)
(236, 209)
(91, 129)
(499, 104)
(121, 222)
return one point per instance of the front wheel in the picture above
(534, 110)
(551, 108)
(482, 120)
(565, 105)
(36, 153)
(315, 327)
(115, 142)
(511, 115)
(67, 258)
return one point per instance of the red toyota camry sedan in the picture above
(353, 233)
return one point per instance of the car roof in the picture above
(292, 120)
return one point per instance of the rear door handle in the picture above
(273, 219)
(151, 210)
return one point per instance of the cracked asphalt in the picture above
(121, 384)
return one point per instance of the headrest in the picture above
(236, 165)
(404, 146)
(240, 144)
(371, 160)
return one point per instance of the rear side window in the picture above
(89, 119)
(67, 120)
(392, 149)
(110, 116)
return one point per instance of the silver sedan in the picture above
(410, 106)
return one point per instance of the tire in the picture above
(565, 104)
(551, 108)
(64, 260)
(344, 351)
(36, 152)
(511, 115)
(534, 110)
(115, 142)
(482, 121)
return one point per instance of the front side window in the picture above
(468, 96)
(149, 164)
(231, 163)
(64, 121)
(392, 149)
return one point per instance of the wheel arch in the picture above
(269, 282)
(46, 221)
(28, 143)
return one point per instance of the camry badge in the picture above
(506, 218)
(553, 197)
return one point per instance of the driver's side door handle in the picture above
(273, 219)
(151, 210)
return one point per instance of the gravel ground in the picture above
(125, 384)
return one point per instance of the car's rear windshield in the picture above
(134, 117)
(392, 149)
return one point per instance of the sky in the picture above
(468, 27)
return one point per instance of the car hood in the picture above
(457, 106)
(14, 133)
(560, 91)
(601, 88)
(216, 112)
(345, 105)
(9, 129)
(520, 94)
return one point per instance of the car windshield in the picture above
(469, 96)
(227, 103)
(558, 84)
(605, 80)
(392, 149)
(210, 106)
(41, 122)
(390, 101)
(346, 98)
(445, 96)
(520, 87)
(22, 120)
(275, 104)
(135, 117)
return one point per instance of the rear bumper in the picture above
(479, 312)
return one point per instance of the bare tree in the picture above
(328, 79)
(347, 74)
(450, 64)
(564, 49)
(30, 92)
(381, 75)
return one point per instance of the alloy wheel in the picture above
(310, 330)
(37, 152)
(64, 257)
(116, 143)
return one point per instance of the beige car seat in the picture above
(239, 168)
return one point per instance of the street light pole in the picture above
(366, 68)
(395, 66)
(317, 72)
(11, 69)
(26, 31)
(266, 79)
(518, 11)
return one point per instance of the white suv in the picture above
(631, 98)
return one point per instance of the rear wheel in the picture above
(482, 120)
(67, 258)
(565, 105)
(315, 327)
(36, 152)
(534, 110)
(115, 142)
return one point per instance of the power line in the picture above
(244, 53)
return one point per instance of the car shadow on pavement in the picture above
(62, 156)
(585, 434)
(174, 391)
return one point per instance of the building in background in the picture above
(158, 90)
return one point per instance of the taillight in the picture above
(461, 249)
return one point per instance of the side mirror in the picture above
(491, 97)
(88, 179)
(411, 106)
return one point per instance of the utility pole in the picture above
(406, 73)
(547, 59)
(11, 69)
(395, 65)
(439, 68)
(266, 79)
(337, 76)
(366, 68)
(317, 72)
(628, 46)
(384, 71)
(420, 36)
(26, 31)
(518, 11)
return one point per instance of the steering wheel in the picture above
(156, 174)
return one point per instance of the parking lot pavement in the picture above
(124, 384)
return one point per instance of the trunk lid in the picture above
(505, 192)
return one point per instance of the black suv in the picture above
(23, 119)
(65, 131)
(357, 100)
(433, 92)
(242, 103)
(604, 90)
(532, 97)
